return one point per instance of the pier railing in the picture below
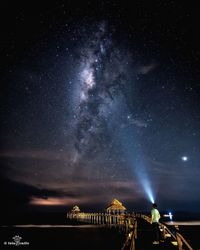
(122, 221)
(176, 238)
(125, 222)
(131, 237)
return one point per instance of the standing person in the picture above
(155, 217)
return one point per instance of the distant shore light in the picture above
(170, 215)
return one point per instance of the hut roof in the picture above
(115, 205)
(76, 209)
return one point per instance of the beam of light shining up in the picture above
(137, 163)
(147, 188)
(145, 183)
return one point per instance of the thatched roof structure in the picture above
(75, 209)
(115, 206)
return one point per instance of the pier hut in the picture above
(115, 207)
(75, 210)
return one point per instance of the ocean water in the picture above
(62, 237)
(192, 234)
(75, 235)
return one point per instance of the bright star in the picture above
(184, 158)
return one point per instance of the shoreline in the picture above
(183, 223)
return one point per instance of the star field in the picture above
(100, 100)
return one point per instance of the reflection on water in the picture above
(56, 226)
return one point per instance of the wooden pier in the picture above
(137, 229)
(122, 221)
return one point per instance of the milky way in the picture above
(102, 80)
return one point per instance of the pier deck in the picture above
(144, 238)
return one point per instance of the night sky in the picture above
(100, 100)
